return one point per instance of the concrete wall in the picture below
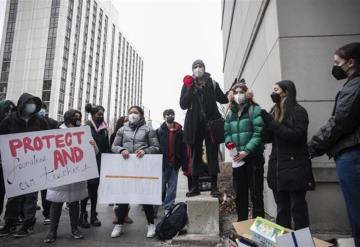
(271, 40)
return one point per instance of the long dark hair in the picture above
(282, 110)
(120, 123)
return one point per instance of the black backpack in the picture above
(173, 222)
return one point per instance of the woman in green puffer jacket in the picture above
(243, 127)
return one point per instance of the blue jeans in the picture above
(348, 170)
(170, 177)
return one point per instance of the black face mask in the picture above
(75, 122)
(99, 120)
(275, 97)
(338, 72)
(170, 119)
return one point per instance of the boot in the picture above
(195, 191)
(214, 188)
(83, 220)
(94, 220)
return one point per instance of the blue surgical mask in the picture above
(42, 112)
(30, 108)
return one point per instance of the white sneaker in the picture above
(151, 231)
(117, 231)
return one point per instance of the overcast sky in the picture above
(169, 35)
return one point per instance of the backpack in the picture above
(173, 222)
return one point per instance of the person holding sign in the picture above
(243, 127)
(137, 138)
(25, 119)
(101, 136)
(71, 193)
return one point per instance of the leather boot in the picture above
(195, 191)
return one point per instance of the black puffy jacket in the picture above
(289, 163)
(342, 130)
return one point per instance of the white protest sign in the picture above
(134, 180)
(34, 161)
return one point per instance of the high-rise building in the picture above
(69, 53)
(266, 41)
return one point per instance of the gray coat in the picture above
(69, 192)
(136, 137)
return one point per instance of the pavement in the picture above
(134, 234)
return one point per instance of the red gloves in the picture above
(230, 145)
(188, 81)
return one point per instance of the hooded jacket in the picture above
(179, 149)
(132, 137)
(14, 123)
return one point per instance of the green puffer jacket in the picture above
(245, 131)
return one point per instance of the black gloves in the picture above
(267, 117)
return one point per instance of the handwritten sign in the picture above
(34, 161)
(134, 180)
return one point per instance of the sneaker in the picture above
(23, 232)
(76, 233)
(50, 237)
(117, 231)
(151, 231)
(7, 230)
(47, 221)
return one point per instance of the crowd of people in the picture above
(245, 125)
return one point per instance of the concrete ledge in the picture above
(203, 214)
(196, 240)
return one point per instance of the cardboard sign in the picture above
(35, 161)
(297, 238)
(133, 180)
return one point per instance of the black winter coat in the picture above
(289, 163)
(342, 131)
(179, 148)
(190, 100)
(15, 124)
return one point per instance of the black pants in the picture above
(250, 176)
(2, 190)
(55, 213)
(122, 211)
(93, 186)
(45, 204)
(212, 151)
(27, 203)
(291, 205)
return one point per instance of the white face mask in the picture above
(199, 72)
(239, 98)
(134, 118)
(30, 108)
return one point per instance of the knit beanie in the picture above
(197, 62)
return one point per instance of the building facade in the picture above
(265, 41)
(69, 53)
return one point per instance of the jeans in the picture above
(291, 205)
(348, 170)
(250, 176)
(170, 178)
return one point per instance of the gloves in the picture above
(267, 117)
(188, 81)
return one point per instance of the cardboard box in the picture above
(297, 238)
(242, 228)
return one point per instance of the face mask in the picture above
(99, 120)
(275, 97)
(338, 72)
(30, 108)
(199, 72)
(75, 122)
(239, 98)
(42, 112)
(170, 119)
(134, 118)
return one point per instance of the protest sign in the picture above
(34, 161)
(132, 180)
